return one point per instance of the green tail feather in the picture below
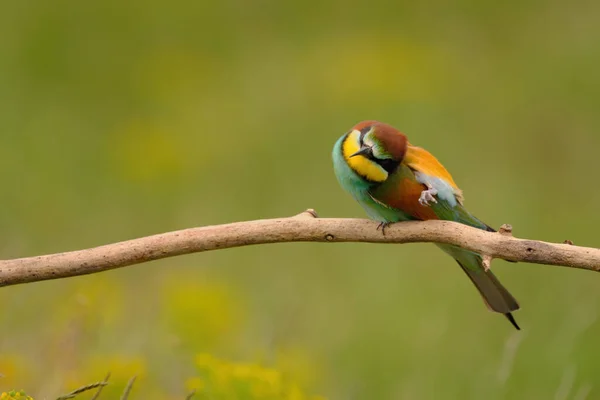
(495, 296)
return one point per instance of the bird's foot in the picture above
(428, 196)
(382, 226)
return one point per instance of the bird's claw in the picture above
(428, 196)
(382, 226)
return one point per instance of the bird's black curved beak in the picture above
(364, 151)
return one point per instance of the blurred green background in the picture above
(124, 119)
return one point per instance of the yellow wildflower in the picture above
(14, 395)
(221, 379)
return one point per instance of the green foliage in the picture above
(218, 379)
(15, 395)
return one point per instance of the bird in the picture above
(395, 181)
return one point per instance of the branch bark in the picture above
(304, 227)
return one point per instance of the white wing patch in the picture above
(445, 191)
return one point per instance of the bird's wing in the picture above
(418, 172)
(429, 171)
(401, 191)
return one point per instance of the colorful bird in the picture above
(396, 181)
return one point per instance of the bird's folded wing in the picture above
(430, 172)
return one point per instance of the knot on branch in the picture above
(309, 213)
(505, 230)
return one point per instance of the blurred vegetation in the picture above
(123, 119)
(14, 395)
(220, 379)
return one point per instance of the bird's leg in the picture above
(428, 195)
(382, 226)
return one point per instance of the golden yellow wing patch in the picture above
(423, 161)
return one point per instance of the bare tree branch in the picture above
(304, 227)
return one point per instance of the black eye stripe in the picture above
(388, 164)
(363, 132)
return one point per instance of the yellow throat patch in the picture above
(364, 167)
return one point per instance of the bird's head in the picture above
(373, 150)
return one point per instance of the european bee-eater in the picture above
(396, 181)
